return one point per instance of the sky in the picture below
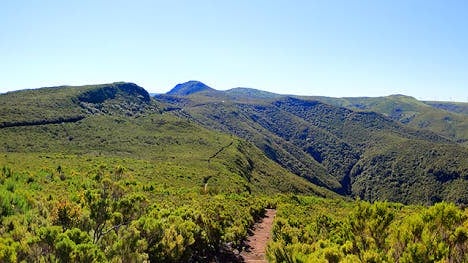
(329, 48)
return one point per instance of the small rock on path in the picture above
(255, 251)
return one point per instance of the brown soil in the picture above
(257, 242)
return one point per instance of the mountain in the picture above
(248, 93)
(189, 87)
(121, 120)
(106, 173)
(251, 140)
(352, 152)
(456, 107)
(445, 118)
(70, 104)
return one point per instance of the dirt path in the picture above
(257, 243)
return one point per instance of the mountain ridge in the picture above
(444, 118)
(120, 120)
(330, 145)
(353, 152)
(70, 103)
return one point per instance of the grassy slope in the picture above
(43, 103)
(457, 107)
(434, 117)
(218, 111)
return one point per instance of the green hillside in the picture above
(447, 119)
(69, 104)
(101, 174)
(457, 107)
(120, 120)
(335, 147)
(105, 173)
(218, 112)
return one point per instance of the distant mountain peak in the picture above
(401, 96)
(189, 87)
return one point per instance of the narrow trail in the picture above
(255, 251)
(219, 151)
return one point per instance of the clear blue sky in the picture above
(328, 47)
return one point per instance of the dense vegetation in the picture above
(449, 119)
(358, 153)
(309, 229)
(124, 182)
(89, 211)
(105, 173)
(159, 144)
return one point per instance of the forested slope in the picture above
(448, 119)
(350, 152)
